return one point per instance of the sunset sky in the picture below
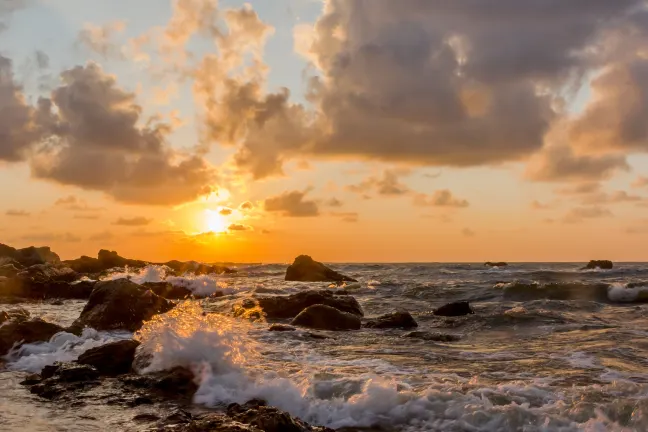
(350, 130)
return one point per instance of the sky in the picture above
(349, 130)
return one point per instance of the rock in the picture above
(146, 418)
(14, 315)
(600, 264)
(22, 332)
(111, 359)
(324, 317)
(196, 268)
(120, 304)
(428, 336)
(211, 422)
(64, 379)
(31, 379)
(268, 419)
(30, 255)
(105, 260)
(400, 319)
(281, 328)
(305, 269)
(45, 281)
(9, 270)
(496, 264)
(168, 291)
(454, 309)
(70, 372)
(284, 307)
(175, 382)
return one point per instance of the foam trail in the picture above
(620, 293)
(62, 347)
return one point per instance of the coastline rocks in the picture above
(21, 332)
(496, 264)
(175, 382)
(269, 419)
(105, 261)
(115, 358)
(305, 269)
(599, 264)
(120, 304)
(29, 256)
(196, 268)
(399, 319)
(9, 269)
(14, 315)
(45, 281)
(454, 309)
(324, 317)
(428, 336)
(168, 291)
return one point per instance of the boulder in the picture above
(454, 309)
(324, 317)
(9, 269)
(599, 264)
(21, 332)
(45, 281)
(114, 358)
(177, 382)
(284, 307)
(400, 319)
(495, 264)
(29, 256)
(105, 260)
(428, 336)
(305, 269)
(168, 291)
(269, 419)
(120, 304)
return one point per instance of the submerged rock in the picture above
(496, 264)
(120, 304)
(21, 332)
(600, 264)
(454, 309)
(111, 359)
(305, 269)
(324, 317)
(284, 307)
(429, 336)
(399, 319)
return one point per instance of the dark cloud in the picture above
(556, 164)
(86, 217)
(333, 202)
(350, 217)
(467, 232)
(225, 211)
(73, 203)
(617, 197)
(135, 221)
(578, 214)
(580, 189)
(17, 213)
(292, 204)
(239, 227)
(440, 198)
(387, 184)
(247, 205)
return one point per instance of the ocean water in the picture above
(549, 348)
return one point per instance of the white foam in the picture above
(62, 347)
(619, 292)
(150, 273)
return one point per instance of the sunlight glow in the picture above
(215, 222)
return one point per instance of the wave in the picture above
(616, 292)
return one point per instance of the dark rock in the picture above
(284, 307)
(196, 268)
(9, 270)
(105, 260)
(111, 359)
(65, 379)
(495, 264)
(57, 303)
(600, 264)
(49, 371)
(317, 336)
(176, 382)
(400, 319)
(428, 336)
(178, 417)
(45, 281)
(29, 256)
(268, 419)
(324, 317)
(281, 328)
(47, 390)
(70, 372)
(31, 379)
(22, 332)
(85, 265)
(146, 418)
(14, 315)
(209, 422)
(139, 401)
(120, 304)
(168, 291)
(454, 309)
(305, 269)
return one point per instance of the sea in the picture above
(551, 347)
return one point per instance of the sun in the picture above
(215, 222)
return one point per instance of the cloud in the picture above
(17, 213)
(640, 182)
(440, 198)
(99, 39)
(102, 236)
(333, 202)
(451, 81)
(239, 227)
(247, 205)
(51, 237)
(467, 232)
(292, 204)
(350, 217)
(583, 188)
(537, 205)
(73, 203)
(578, 214)
(225, 211)
(617, 197)
(387, 184)
(556, 164)
(135, 221)
(85, 216)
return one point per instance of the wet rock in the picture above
(65, 379)
(14, 315)
(120, 304)
(9, 270)
(71, 372)
(111, 359)
(268, 419)
(599, 264)
(46, 281)
(454, 309)
(284, 307)
(305, 269)
(168, 291)
(196, 268)
(317, 336)
(105, 260)
(209, 422)
(29, 256)
(496, 264)
(50, 370)
(281, 328)
(21, 332)
(429, 336)
(178, 417)
(176, 382)
(31, 379)
(146, 418)
(324, 317)
(399, 319)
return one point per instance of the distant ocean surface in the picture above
(550, 347)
